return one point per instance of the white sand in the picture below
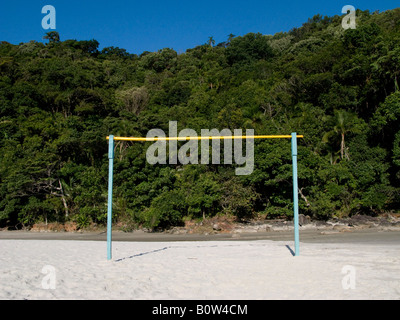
(197, 270)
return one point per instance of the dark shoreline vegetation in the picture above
(339, 88)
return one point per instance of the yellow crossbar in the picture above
(203, 138)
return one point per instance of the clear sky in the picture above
(150, 25)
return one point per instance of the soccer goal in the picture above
(111, 140)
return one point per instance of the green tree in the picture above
(251, 46)
(211, 41)
(343, 123)
(52, 36)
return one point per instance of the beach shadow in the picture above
(142, 254)
(175, 247)
(165, 248)
(290, 249)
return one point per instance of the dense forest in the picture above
(339, 88)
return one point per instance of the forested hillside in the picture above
(339, 88)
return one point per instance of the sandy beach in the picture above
(201, 270)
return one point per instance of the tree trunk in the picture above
(342, 146)
(304, 197)
(63, 199)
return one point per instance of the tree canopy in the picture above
(339, 88)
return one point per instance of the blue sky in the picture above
(151, 25)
